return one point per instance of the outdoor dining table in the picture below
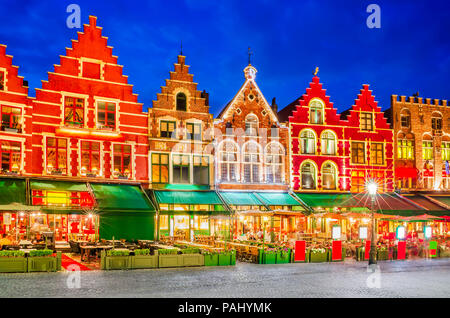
(86, 252)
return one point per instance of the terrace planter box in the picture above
(269, 258)
(318, 257)
(284, 257)
(13, 265)
(233, 258)
(330, 255)
(143, 261)
(227, 259)
(181, 260)
(42, 264)
(211, 259)
(193, 260)
(382, 255)
(294, 261)
(443, 253)
(116, 262)
(169, 260)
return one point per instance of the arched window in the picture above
(329, 176)
(228, 161)
(405, 146)
(328, 141)
(274, 163)
(252, 163)
(181, 102)
(251, 125)
(316, 111)
(308, 176)
(308, 142)
(436, 121)
(405, 119)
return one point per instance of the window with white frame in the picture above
(316, 111)
(10, 153)
(405, 119)
(328, 143)
(427, 150)
(308, 176)
(251, 125)
(274, 163)
(329, 176)
(90, 158)
(405, 148)
(180, 169)
(445, 150)
(106, 115)
(436, 121)
(228, 161)
(366, 120)
(11, 118)
(252, 163)
(73, 111)
(122, 161)
(56, 154)
(308, 142)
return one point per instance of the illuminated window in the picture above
(194, 131)
(201, 222)
(56, 155)
(106, 115)
(329, 176)
(201, 170)
(2, 80)
(251, 125)
(274, 163)
(228, 161)
(427, 150)
(405, 149)
(445, 149)
(90, 158)
(73, 111)
(358, 181)
(308, 176)
(11, 155)
(160, 168)
(308, 142)
(328, 143)
(358, 152)
(252, 163)
(376, 153)
(62, 198)
(180, 169)
(167, 128)
(11, 117)
(316, 112)
(181, 102)
(122, 161)
(366, 121)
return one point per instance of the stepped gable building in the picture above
(332, 152)
(422, 138)
(16, 120)
(180, 132)
(251, 144)
(87, 122)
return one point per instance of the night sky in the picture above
(409, 53)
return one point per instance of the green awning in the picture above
(442, 199)
(277, 198)
(121, 198)
(240, 198)
(58, 186)
(187, 197)
(130, 226)
(12, 191)
(326, 200)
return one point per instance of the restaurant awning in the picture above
(443, 200)
(240, 198)
(327, 200)
(277, 199)
(12, 191)
(58, 186)
(425, 202)
(125, 212)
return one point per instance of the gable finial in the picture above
(316, 71)
(249, 56)
(181, 48)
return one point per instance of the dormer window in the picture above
(11, 118)
(366, 120)
(251, 125)
(106, 115)
(181, 102)
(316, 112)
(73, 111)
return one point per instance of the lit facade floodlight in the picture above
(372, 187)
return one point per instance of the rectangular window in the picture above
(445, 149)
(201, 170)
(405, 121)
(106, 115)
(62, 198)
(366, 121)
(90, 158)
(56, 149)
(436, 123)
(11, 155)
(405, 149)
(180, 169)
(167, 128)
(194, 131)
(122, 161)
(2, 80)
(74, 111)
(11, 118)
(358, 182)
(376, 153)
(160, 168)
(427, 150)
(358, 152)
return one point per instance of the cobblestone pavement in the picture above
(418, 278)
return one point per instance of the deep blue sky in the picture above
(289, 38)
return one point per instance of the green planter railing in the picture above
(318, 257)
(284, 257)
(13, 264)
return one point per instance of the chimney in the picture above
(205, 95)
(274, 105)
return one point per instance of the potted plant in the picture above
(318, 255)
(44, 261)
(115, 259)
(143, 259)
(13, 262)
